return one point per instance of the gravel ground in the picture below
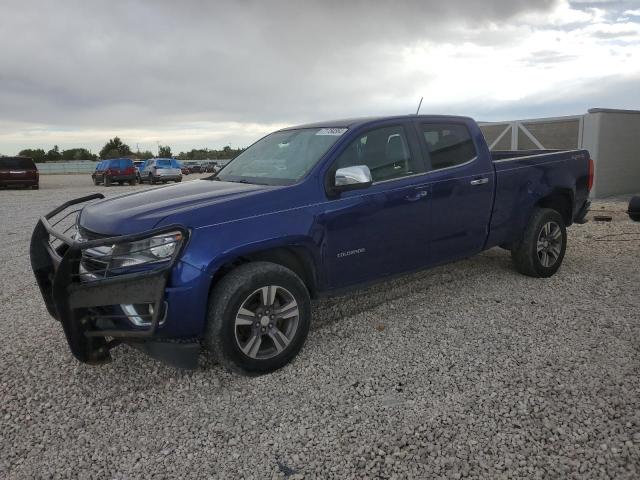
(464, 371)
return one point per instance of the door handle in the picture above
(417, 196)
(479, 181)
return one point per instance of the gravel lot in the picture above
(468, 370)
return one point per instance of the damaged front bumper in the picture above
(100, 307)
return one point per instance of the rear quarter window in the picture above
(449, 144)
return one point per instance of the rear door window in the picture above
(448, 144)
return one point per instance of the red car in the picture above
(19, 171)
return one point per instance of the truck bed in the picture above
(525, 177)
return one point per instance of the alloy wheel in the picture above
(266, 322)
(549, 244)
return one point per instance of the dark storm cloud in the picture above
(149, 63)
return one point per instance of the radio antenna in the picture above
(419, 105)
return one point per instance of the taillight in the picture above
(591, 174)
(131, 170)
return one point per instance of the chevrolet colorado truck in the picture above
(231, 262)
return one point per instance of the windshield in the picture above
(281, 158)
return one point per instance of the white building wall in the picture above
(616, 151)
(611, 136)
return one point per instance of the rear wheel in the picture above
(543, 245)
(258, 320)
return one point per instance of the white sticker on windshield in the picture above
(336, 132)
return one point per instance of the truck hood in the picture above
(140, 211)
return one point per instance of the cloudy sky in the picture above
(210, 73)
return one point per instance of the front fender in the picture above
(213, 246)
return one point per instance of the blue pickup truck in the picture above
(231, 262)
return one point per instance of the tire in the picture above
(120, 183)
(242, 288)
(133, 182)
(545, 231)
(107, 181)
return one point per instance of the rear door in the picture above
(462, 185)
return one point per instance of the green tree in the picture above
(114, 148)
(78, 154)
(206, 154)
(36, 154)
(164, 151)
(54, 155)
(146, 155)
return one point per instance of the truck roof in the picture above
(359, 121)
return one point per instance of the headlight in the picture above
(163, 246)
(150, 250)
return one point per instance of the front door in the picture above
(383, 229)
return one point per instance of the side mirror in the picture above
(352, 178)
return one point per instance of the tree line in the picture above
(116, 148)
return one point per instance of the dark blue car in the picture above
(232, 261)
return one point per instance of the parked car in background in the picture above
(139, 164)
(185, 170)
(19, 172)
(161, 170)
(194, 167)
(118, 170)
(211, 167)
(231, 261)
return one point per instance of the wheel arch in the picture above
(296, 258)
(560, 200)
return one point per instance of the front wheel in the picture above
(541, 250)
(258, 320)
